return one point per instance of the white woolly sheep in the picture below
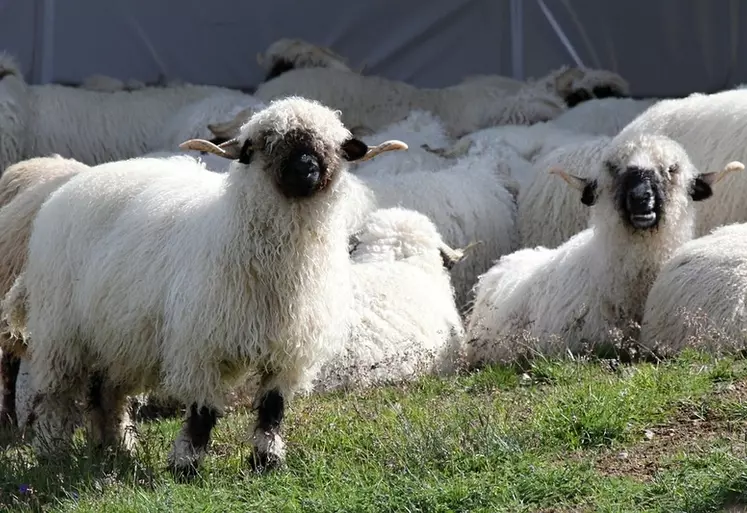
(421, 130)
(286, 54)
(602, 117)
(700, 295)
(266, 287)
(549, 212)
(23, 188)
(224, 112)
(14, 112)
(375, 102)
(405, 322)
(713, 130)
(470, 201)
(91, 127)
(107, 84)
(594, 284)
(574, 85)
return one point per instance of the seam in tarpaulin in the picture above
(560, 33)
(516, 20)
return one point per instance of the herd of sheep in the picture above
(336, 230)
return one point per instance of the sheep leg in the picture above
(191, 445)
(110, 423)
(9, 367)
(269, 447)
(53, 420)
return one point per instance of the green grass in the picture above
(561, 436)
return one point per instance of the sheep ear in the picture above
(701, 186)
(230, 149)
(587, 187)
(355, 150)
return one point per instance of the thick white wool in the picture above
(549, 211)
(713, 130)
(417, 129)
(376, 102)
(471, 200)
(405, 322)
(606, 116)
(191, 121)
(699, 298)
(595, 283)
(302, 54)
(266, 287)
(15, 112)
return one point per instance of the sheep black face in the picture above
(301, 145)
(646, 180)
(640, 197)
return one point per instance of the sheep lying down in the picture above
(592, 288)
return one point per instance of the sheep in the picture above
(544, 198)
(375, 102)
(91, 127)
(15, 110)
(698, 298)
(425, 134)
(607, 116)
(472, 201)
(591, 289)
(711, 128)
(405, 322)
(574, 85)
(163, 260)
(23, 188)
(224, 112)
(107, 84)
(286, 54)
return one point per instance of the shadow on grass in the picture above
(28, 483)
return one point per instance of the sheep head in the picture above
(302, 144)
(286, 54)
(647, 179)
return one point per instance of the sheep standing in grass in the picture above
(23, 188)
(182, 279)
(700, 296)
(287, 54)
(405, 322)
(713, 130)
(549, 212)
(595, 283)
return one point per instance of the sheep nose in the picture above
(641, 198)
(305, 165)
(301, 176)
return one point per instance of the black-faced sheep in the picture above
(119, 296)
(594, 286)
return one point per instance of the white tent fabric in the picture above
(663, 47)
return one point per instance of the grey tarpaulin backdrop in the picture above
(663, 47)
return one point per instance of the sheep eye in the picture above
(674, 168)
(245, 155)
(610, 167)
